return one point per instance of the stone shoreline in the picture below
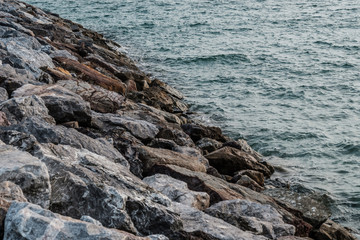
(92, 148)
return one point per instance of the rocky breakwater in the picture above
(92, 148)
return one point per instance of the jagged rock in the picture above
(63, 104)
(84, 183)
(4, 206)
(27, 172)
(176, 135)
(3, 119)
(249, 183)
(197, 132)
(208, 145)
(171, 145)
(139, 128)
(25, 52)
(90, 75)
(330, 230)
(170, 90)
(46, 133)
(178, 191)
(242, 145)
(159, 98)
(228, 160)
(13, 78)
(220, 190)
(152, 156)
(100, 99)
(23, 141)
(261, 219)
(17, 109)
(9, 191)
(29, 221)
(258, 177)
(90, 220)
(3, 95)
(314, 206)
(213, 228)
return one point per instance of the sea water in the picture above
(283, 74)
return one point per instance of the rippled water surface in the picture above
(283, 74)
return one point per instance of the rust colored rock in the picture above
(228, 160)
(258, 177)
(3, 119)
(58, 73)
(331, 230)
(249, 183)
(153, 156)
(91, 75)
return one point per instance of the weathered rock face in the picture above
(139, 128)
(178, 191)
(197, 132)
(46, 133)
(220, 190)
(100, 99)
(63, 104)
(208, 145)
(16, 109)
(28, 221)
(9, 191)
(3, 95)
(85, 183)
(228, 160)
(211, 227)
(330, 230)
(261, 219)
(152, 156)
(258, 177)
(314, 206)
(26, 171)
(248, 182)
(242, 145)
(3, 119)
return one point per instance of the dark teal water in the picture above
(283, 74)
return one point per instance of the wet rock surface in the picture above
(80, 127)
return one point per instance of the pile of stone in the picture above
(93, 148)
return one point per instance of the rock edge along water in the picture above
(81, 125)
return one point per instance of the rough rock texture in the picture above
(16, 109)
(26, 171)
(261, 219)
(228, 160)
(100, 99)
(330, 230)
(213, 228)
(63, 105)
(29, 221)
(81, 125)
(178, 191)
(153, 156)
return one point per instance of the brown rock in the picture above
(3, 119)
(228, 160)
(152, 156)
(258, 177)
(242, 145)
(220, 190)
(9, 191)
(249, 183)
(331, 231)
(91, 75)
(197, 132)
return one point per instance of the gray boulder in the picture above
(261, 219)
(16, 109)
(46, 133)
(139, 128)
(26, 171)
(100, 99)
(178, 191)
(63, 105)
(25, 221)
(85, 183)
(211, 227)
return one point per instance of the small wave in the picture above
(231, 59)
